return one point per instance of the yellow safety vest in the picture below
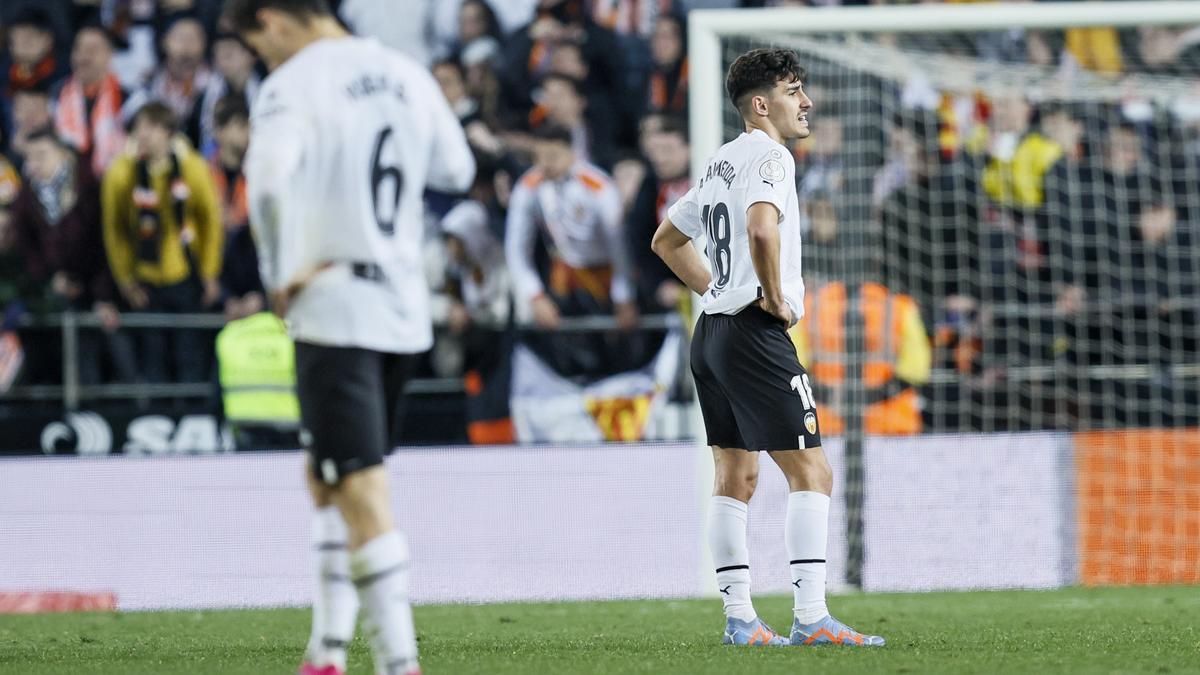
(258, 371)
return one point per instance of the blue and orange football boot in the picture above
(756, 632)
(830, 631)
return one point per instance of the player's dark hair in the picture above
(553, 132)
(158, 114)
(230, 108)
(241, 16)
(758, 70)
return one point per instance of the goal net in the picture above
(1001, 212)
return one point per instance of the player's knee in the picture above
(738, 483)
(362, 498)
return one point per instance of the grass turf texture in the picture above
(1115, 630)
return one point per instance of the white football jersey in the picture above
(749, 169)
(345, 138)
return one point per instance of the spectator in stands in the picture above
(241, 286)
(476, 20)
(1016, 156)
(635, 18)
(479, 318)
(821, 191)
(669, 67)
(530, 55)
(669, 158)
(57, 218)
(897, 361)
(235, 75)
(88, 113)
(578, 207)
(31, 48)
(561, 102)
(452, 80)
(183, 75)
(163, 234)
(30, 114)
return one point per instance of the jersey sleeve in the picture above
(685, 214)
(520, 234)
(611, 211)
(279, 130)
(451, 166)
(771, 179)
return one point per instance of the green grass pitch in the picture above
(1115, 630)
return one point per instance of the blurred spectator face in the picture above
(234, 136)
(1124, 151)
(827, 141)
(233, 61)
(554, 158)
(1012, 114)
(43, 159)
(31, 110)
(91, 55)
(184, 46)
(567, 59)
(666, 44)
(153, 140)
(563, 103)
(451, 79)
(29, 45)
(647, 128)
(472, 21)
(669, 155)
(1063, 129)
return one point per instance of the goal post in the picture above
(1036, 263)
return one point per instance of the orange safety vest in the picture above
(824, 325)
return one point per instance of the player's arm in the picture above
(278, 133)
(762, 230)
(676, 250)
(520, 235)
(452, 168)
(673, 243)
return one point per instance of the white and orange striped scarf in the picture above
(104, 137)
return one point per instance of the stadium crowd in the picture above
(124, 124)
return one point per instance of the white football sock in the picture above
(806, 534)
(380, 571)
(727, 541)
(335, 602)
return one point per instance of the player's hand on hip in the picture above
(780, 310)
(545, 313)
(627, 316)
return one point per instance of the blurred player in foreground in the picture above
(754, 394)
(346, 135)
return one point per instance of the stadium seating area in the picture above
(1033, 230)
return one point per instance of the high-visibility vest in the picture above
(888, 320)
(257, 363)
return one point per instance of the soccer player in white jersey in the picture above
(754, 394)
(345, 137)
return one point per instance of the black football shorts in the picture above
(351, 406)
(753, 392)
